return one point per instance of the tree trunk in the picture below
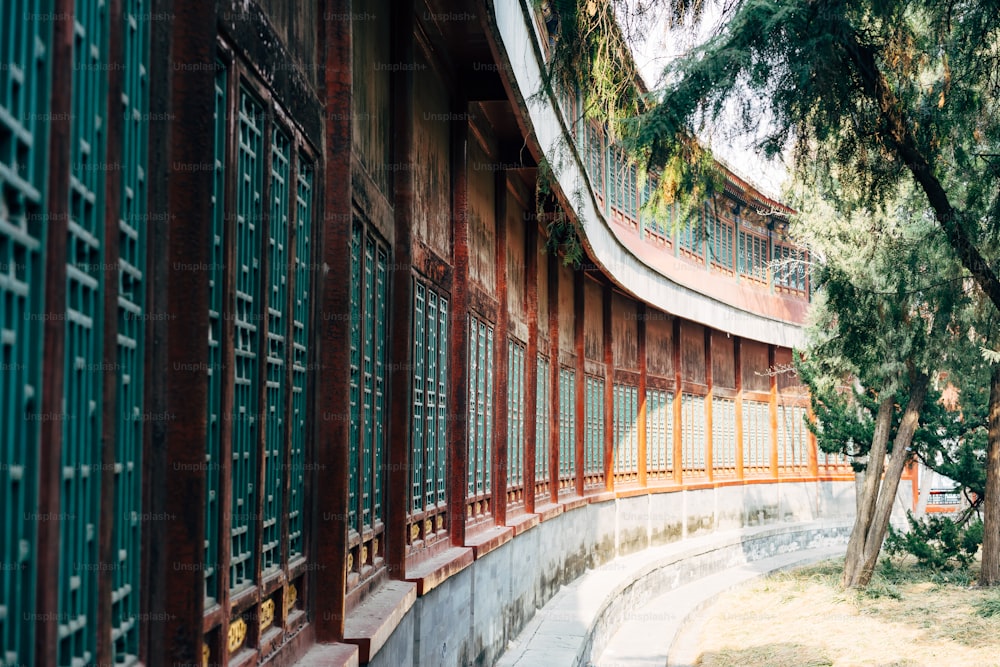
(869, 491)
(875, 535)
(926, 480)
(989, 575)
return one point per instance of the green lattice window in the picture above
(369, 342)
(723, 435)
(81, 433)
(720, 242)
(756, 436)
(792, 436)
(515, 421)
(277, 333)
(693, 432)
(213, 433)
(301, 308)
(659, 433)
(567, 428)
(429, 427)
(626, 430)
(247, 311)
(543, 433)
(753, 255)
(24, 83)
(131, 342)
(689, 235)
(790, 267)
(593, 430)
(480, 415)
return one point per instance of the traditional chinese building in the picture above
(290, 371)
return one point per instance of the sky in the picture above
(654, 46)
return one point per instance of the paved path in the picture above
(665, 631)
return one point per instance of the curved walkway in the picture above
(665, 631)
(627, 613)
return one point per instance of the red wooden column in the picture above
(458, 362)
(109, 415)
(553, 268)
(678, 384)
(738, 371)
(401, 348)
(54, 336)
(176, 584)
(531, 365)
(641, 344)
(709, 449)
(813, 444)
(609, 392)
(500, 376)
(332, 397)
(578, 327)
(773, 405)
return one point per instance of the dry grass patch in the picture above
(907, 617)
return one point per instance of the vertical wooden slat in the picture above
(531, 366)
(458, 361)
(177, 580)
(709, 444)
(332, 401)
(112, 211)
(738, 370)
(773, 410)
(47, 597)
(401, 347)
(500, 356)
(609, 388)
(554, 366)
(581, 384)
(642, 314)
(678, 433)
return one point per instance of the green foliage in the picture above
(563, 237)
(989, 606)
(937, 542)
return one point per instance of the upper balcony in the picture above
(731, 265)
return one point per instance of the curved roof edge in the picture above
(516, 40)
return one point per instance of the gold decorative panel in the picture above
(237, 634)
(266, 613)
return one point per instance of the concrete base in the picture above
(473, 616)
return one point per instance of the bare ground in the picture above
(906, 618)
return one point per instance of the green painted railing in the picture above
(792, 436)
(593, 428)
(756, 435)
(429, 427)
(693, 431)
(515, 414)
(213, 432)
(369, 339)
(567, 426)
(543, 440)
(626, 433)
(251, 157)
(480, 407)
(659, 432)
(300, 357)
(125, 576)
(277, 327)
(723, 434)
(82, 398)
(24, 92)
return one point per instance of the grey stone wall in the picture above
(470, 618)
